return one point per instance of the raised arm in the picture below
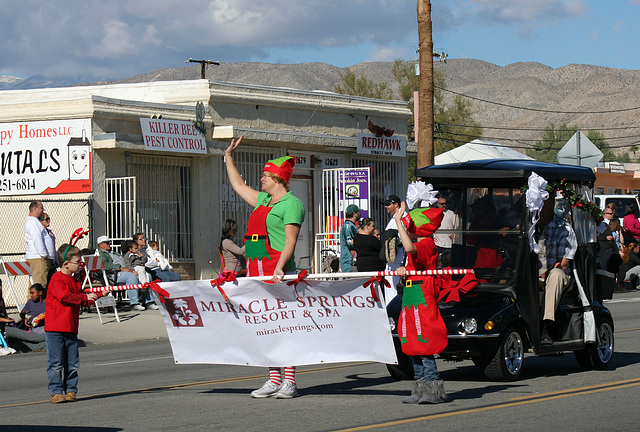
(237, 182)
(408, 245)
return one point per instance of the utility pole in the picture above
(425, 114)
(203, 64)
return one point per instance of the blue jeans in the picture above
(63, 362)
(128, 278)
(425, 367)
(164, 275)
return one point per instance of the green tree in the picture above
(454, 124)
(354, 85)
(554, 139)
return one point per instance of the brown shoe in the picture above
(70, 397)
(57, 398)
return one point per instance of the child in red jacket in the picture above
(64, 298)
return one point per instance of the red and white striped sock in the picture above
(274, 376)
(290, 374)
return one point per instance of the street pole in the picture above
(425, 103)
(203, 65)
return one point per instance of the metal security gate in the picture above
(336, 197)
(163, 203)
(120, 209)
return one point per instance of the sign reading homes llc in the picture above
(383, 146)
(172, 135)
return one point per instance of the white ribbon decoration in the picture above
(536, 196)
(419, 191)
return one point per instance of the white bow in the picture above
(419, 191)
(536, 196)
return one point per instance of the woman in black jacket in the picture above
(367, 247)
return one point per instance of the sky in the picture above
(108, 40)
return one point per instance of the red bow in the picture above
(153, 286)
(303, 274)
(451, 289)
(77, 235)
(381, 280)
(225, 276)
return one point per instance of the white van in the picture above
(621, 201)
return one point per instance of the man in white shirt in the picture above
(36, 253)
(444, 241)
(392, 204)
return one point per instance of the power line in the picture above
(536, 109)
(597, 129)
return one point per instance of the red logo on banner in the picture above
(184, 312)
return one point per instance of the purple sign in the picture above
(354, 189)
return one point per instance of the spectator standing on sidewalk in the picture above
(36, 253)
(50, 244)
(348, 233)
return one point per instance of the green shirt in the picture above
(289, 210)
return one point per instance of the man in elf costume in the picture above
(421, 329)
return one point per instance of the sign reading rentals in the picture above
(382, 145)
(172, 135)
(276, 324)
(46, 157)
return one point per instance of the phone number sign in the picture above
(47, 157)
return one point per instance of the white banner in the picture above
(45, 157)
(270, 325)
(172, 135)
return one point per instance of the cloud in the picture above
(120, 38)
(620, 25)
(526, 16)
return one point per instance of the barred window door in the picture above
(163, 201)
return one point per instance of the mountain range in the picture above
(513, 103)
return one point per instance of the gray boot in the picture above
(433, 393)
(416, 392)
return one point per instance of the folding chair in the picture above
(14, 269)
(94, 263)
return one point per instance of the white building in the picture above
(181, 197)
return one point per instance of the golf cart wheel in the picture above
(602, 352)
(506, 364)
(403, 371)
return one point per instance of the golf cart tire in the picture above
(403, 371)
(506, 364)
(599, 355)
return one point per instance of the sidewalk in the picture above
(133, 326)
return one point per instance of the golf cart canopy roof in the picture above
(503, 173)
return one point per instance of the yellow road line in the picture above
(542, 398)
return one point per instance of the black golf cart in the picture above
(498, 321)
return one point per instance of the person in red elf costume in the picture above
(421, 329)
(272, 233)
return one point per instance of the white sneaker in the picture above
(138, 307)
(287, 390)
(267, 390)
(152, 306)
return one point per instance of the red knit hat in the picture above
(282, 167)
(423, 221)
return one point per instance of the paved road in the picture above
(136, 386)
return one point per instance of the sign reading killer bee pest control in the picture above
(46, 157)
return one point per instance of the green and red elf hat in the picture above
(423, 222)
(282, 167)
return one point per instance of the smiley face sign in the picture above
(78, 152)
